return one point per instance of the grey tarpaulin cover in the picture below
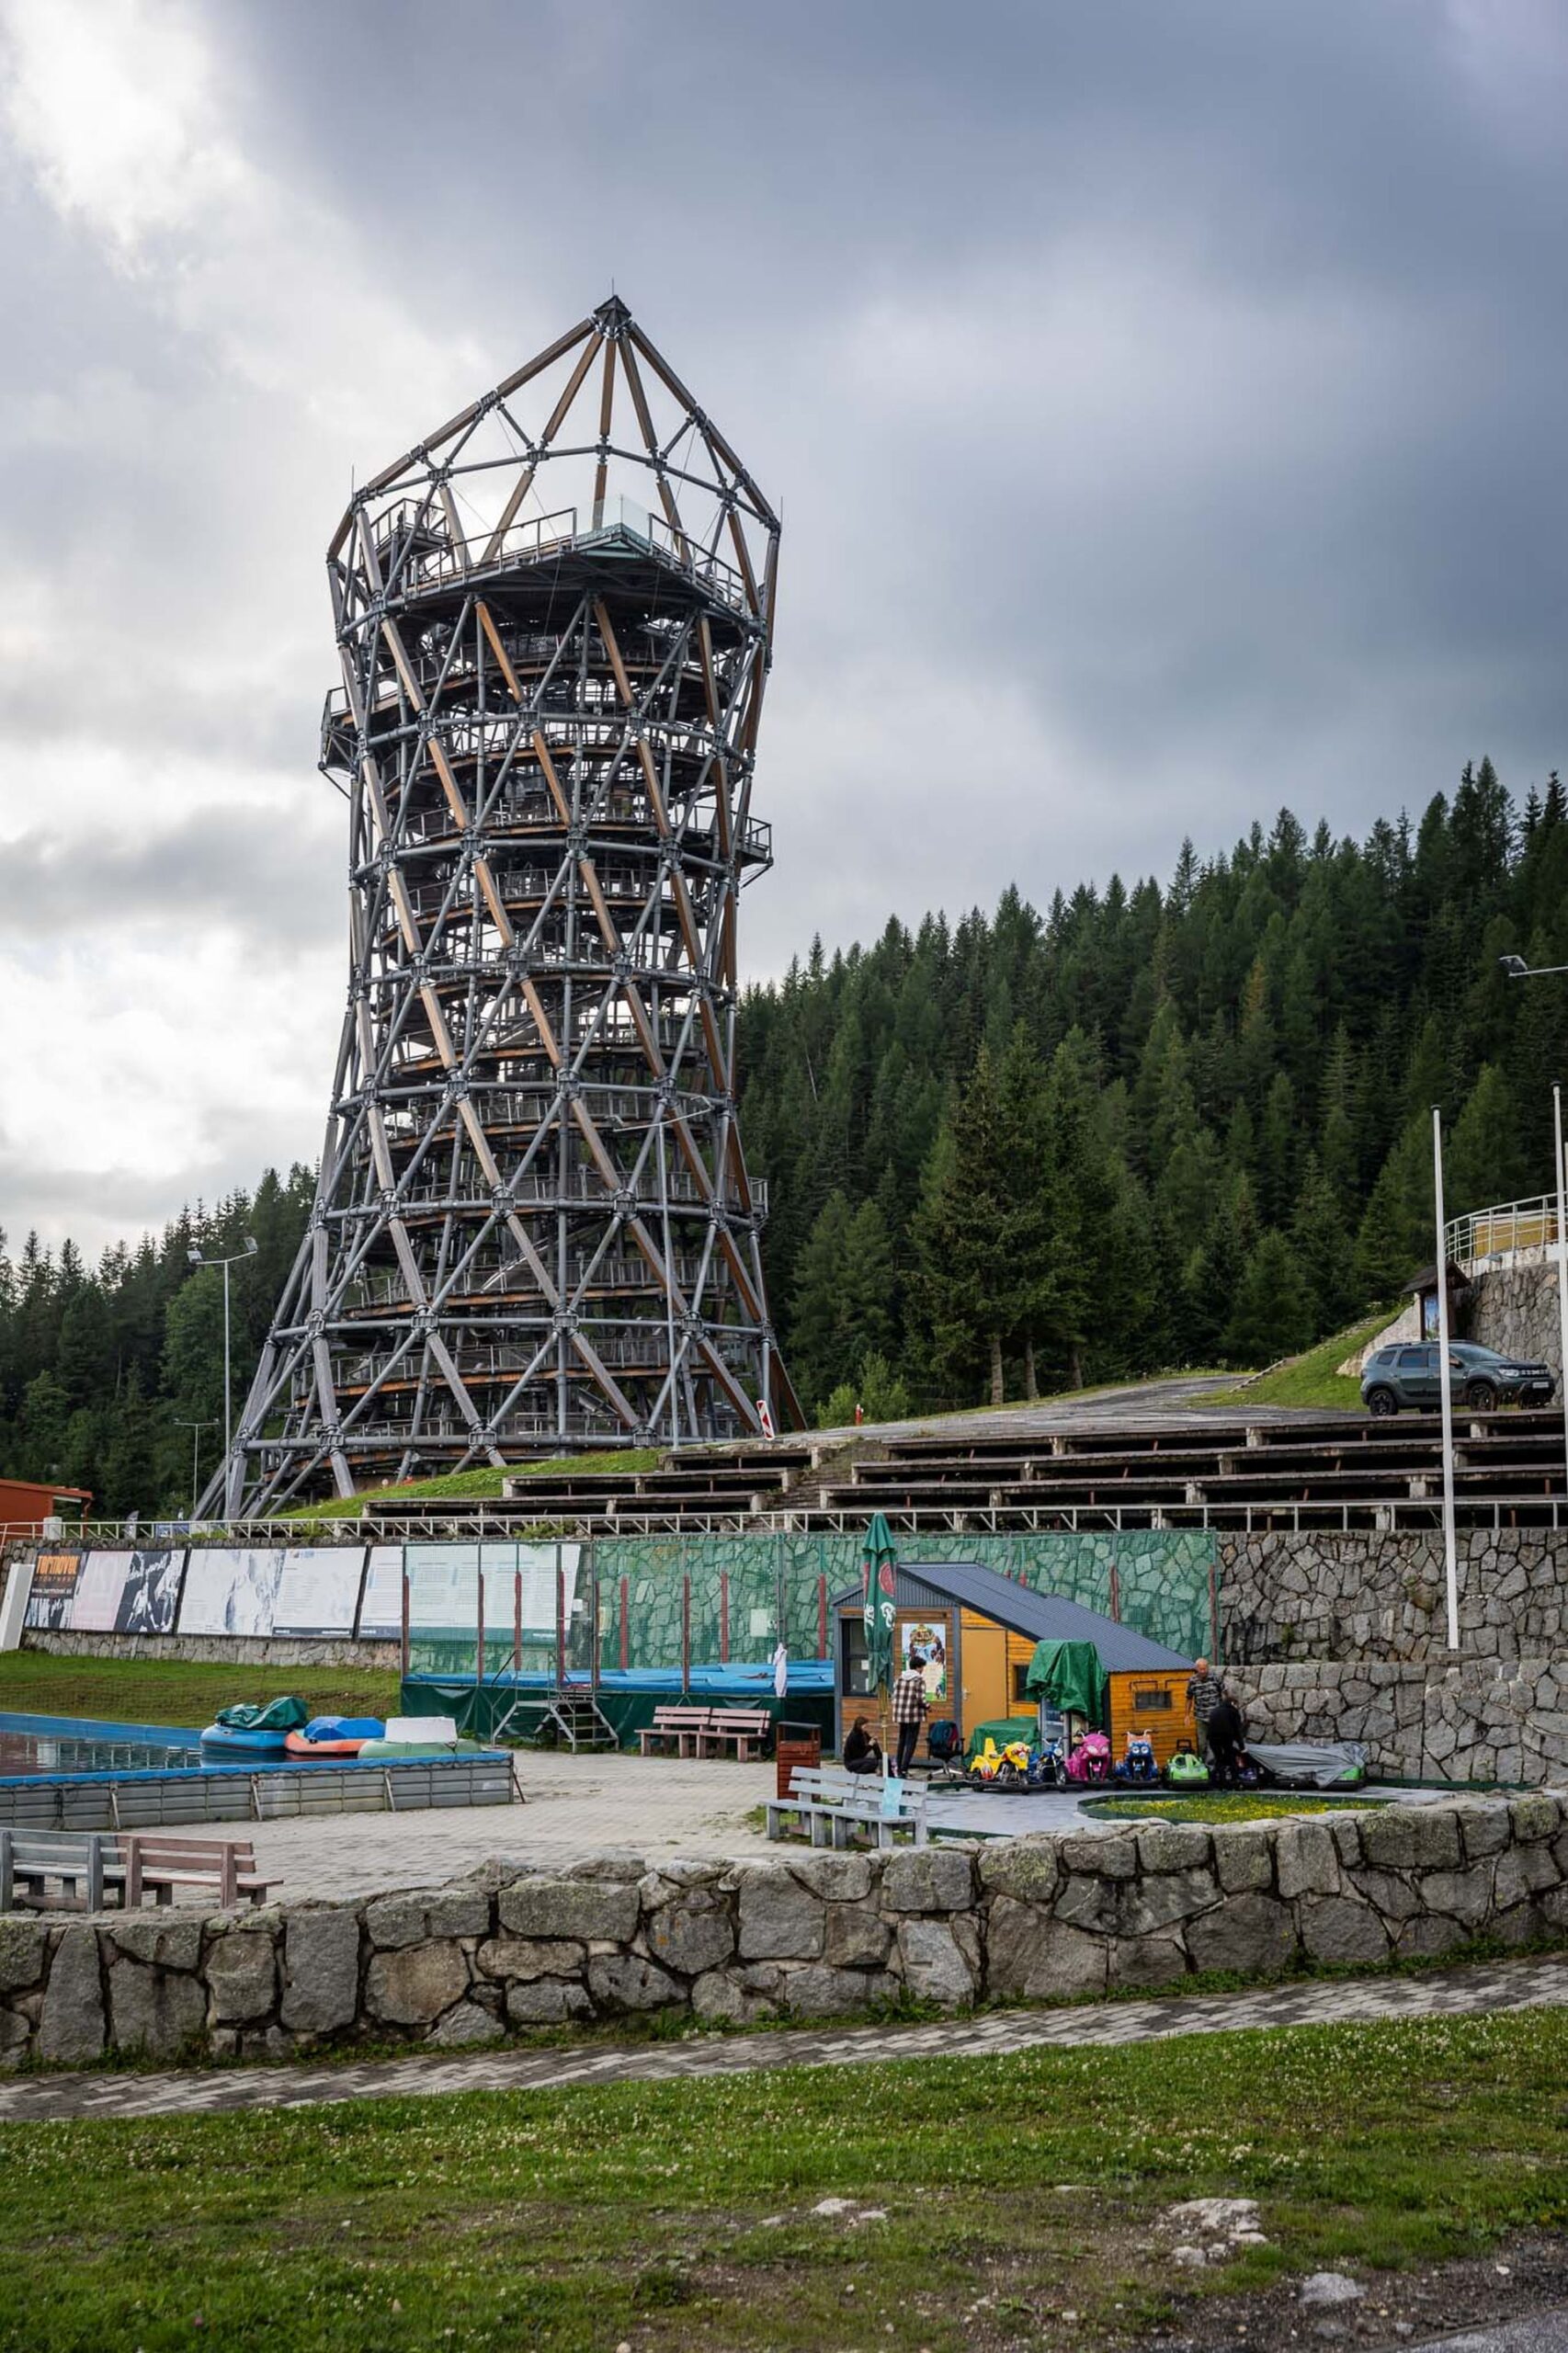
(1320, 1764)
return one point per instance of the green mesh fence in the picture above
(747, 1590)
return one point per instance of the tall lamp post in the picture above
(1517, 970)
(196, 1429)
(1446, 1388)
(198, 1258)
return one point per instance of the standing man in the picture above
(1204, 1693)
(909, 1706)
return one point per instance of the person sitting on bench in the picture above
(861, 1753)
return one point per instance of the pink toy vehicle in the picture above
(1090, 1761)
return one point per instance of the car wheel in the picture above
(1482, 1397)
(1381, 1402)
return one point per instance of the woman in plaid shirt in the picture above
(909, 1705)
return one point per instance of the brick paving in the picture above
(1502, 1986)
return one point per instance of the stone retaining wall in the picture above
(1464, 1722)
(1383, 1597)
(810, 1935)
(242, 1652)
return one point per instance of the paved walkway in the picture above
(576, 1806)
(593, 1805)
(1201, 1401)
(1507, 1985)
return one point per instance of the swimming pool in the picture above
(69, 1772)
(34, 1745)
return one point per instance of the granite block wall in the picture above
(806, 1935)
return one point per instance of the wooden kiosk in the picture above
(977, 1631)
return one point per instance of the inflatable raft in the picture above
(334, 1736)
(245, 1740)
(248, 1731)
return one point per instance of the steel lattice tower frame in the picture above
(533, 1229)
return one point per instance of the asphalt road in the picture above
(1201, 1402)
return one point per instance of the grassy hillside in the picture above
(181, 1691)
(1313, 1379)
(477, 1486)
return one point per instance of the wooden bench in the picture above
(92, 1870)
(837, 1806)
(59, 1870)
(681, 1725)
(156, 1866)
(741, 1725)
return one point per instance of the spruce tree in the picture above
(966, 1277)
(1272, 1316)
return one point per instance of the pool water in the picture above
(23, 1752)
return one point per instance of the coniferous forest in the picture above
(1148, 1127)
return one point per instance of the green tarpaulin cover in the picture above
(1069, 1674)
(282, 1715)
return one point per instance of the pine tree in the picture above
(1397, 1235)
(964, 1231)
(1272, 1316)
(1322, 1243)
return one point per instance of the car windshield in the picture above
(1467, 1353)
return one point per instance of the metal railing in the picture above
(1509, 1235)
(430, 556)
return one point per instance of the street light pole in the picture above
(198, 1259)
(196, 1429)
(1445, 1384)
(1517, 970)
(1561, 1271)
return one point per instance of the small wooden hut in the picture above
(977, 1631)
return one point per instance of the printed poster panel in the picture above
(381, 1611)
(318, 1592)
(230, 1591)
(443, 1581)
(128, 1593)
(923, 1642)
(55, 1576)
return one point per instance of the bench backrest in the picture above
(681, 1719)
(740, 1720)
(207, 1854)
(860, 1792)
(59, 1849)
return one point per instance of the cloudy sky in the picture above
(1164, 401)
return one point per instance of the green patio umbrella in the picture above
(879, 1562)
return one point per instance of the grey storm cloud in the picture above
(1162, 404)
(275, 880)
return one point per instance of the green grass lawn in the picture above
(1221, 1805)
(1312, 1379)
(477, 1486)
(1006, 2194)
(178, 1691)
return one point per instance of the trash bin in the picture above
(795, 1745)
